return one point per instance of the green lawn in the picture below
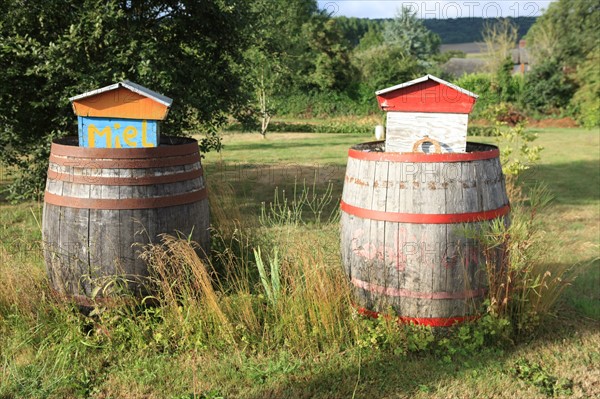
(45, 353)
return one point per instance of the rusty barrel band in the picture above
(123, 163)
(125, 203)
(420, 158)
(399, 292)
(125, 181)
(424, 218)
(422, 321)
(125, 153)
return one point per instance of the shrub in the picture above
(547, 88)
(482, 85)
(587, 98)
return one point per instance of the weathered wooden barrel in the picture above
(404, 223)
(101, 206)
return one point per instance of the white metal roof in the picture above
(136, 88)
(423, 79)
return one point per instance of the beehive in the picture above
(122, 115)
(426, 114)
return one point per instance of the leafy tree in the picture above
(587, 98)
(547, 88)
(373, 37)
(564, 45)
(410, 34)
(500, 38)
(386, 65)
(51, 50)
(573, 25)
(274, 60)
(329, 66)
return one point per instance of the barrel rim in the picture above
(369, 152)
(169, 146)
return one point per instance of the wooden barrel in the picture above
(404, 221)
(102, 205)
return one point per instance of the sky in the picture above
(436, 9)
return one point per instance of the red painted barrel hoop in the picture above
(490, 152)
(424, 218)
(126, 203)
(422, 321)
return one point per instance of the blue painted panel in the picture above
(117, 133)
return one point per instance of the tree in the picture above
(51, 50)
(273, 60)
(573, 24)
(410, 34)
(329, 66)
(587, 98)
(547, 88)
(564, 45)
(385, 65)
(500, 38)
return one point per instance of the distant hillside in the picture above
(466, 30)
(459, 30)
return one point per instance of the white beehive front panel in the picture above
(404, 129)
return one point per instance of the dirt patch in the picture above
(565, 122)
(552, 122)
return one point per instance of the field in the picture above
(48, 350)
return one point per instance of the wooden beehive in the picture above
(122, 115)
(427, 114)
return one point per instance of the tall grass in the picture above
(293, 295)
(524, 281)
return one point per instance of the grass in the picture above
(48, 350)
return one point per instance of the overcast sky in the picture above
(435, 9)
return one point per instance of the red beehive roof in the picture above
(426, 94)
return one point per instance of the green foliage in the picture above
(408, 33)
(468, 30)
(386, 65)
(326, 103)
(327, 127)
(506, 87)
(480, 84)
(303, 207)
(481, 131)
(587, 97)
(273, 287)
(565, 39)
(547, 88)
(329, 66)
(50, 51)
(538, 376)
(516, 152)
(567, 32)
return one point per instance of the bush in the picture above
(482, 131)
(547, 89)
(480, 84)
(326, 103)
(586, 100)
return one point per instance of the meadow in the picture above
(231, 333)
